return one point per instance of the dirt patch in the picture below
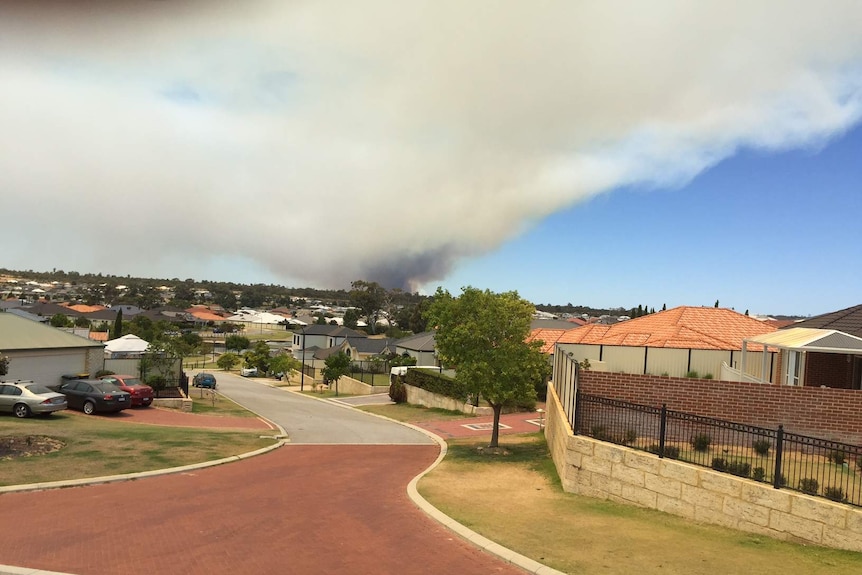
(28, 445)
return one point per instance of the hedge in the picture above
(436, 383)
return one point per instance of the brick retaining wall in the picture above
(821, 412)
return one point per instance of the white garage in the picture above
(43, 353)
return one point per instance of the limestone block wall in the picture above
(419, 396)
(356, 387)
(608, 471)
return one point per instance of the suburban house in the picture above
(421, 346)
(822, 351)
(42, 353)
(321, 336)
(676, 342)
(365, 348)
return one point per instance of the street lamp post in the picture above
(302, 376)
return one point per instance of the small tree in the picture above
(59, 320)
(4, 364)
(484, 334)
(227, 361)
(336, 366)
(237, 342)
(285, 364)
(258, 357)
(118, 325)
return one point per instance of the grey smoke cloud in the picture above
(331, 141)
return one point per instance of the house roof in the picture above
(811, 339)
(549, 337)
(81, 308)
(49, 309)
(420, 342)
(553, 324)
(847, 320)
(369, 345)
(332, 331)
(18, 333)
(204, 314)
(681, 327)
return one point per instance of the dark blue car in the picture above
(204, 380)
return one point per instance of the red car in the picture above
(141, 393)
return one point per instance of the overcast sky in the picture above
(600, 153)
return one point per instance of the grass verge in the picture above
(515, 499)
(209, 402)
(96, 446)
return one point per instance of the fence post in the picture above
(779, 450)
(662, 429)
(577, 418)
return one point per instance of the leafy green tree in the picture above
(370, 298)
(482, 334)
(81, 321)
(237, 342)
(118, 325)
(716, 303)
(351, 318)
(225, 298)
(259, 357)
(321, 319)
(59, 320)
(227, 361)
(4, 364)
(336, 366)
(284, 363)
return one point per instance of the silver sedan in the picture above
(24, 398)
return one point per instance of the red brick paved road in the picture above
(300, 509)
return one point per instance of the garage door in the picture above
(46, 367)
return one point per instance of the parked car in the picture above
(248, 372)
(141, 393)
(92, 395)
(204, 380)
(24, 398)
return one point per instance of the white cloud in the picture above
(384, 140)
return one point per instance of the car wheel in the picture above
(21, 410)
(89, 408)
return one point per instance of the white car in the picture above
(248, 372)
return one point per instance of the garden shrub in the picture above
(809, 485)
(782, 480)
(599, 432)
(670, 451)
(759, 474)
(837, 457)
(630, 437)
(103, 372)
(692, 374)
(719, 463)
(739, 468)
(436, 383)
(700, 442)
(397, 390)
(835, 494)
(761, 446)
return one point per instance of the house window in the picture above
(794, 367)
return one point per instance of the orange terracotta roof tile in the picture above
(681, 327)
(205, 315)
(547, 336)
(99, 335)
(81, 308)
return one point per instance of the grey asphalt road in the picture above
(308, 420)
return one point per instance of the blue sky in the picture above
(669, 152)
(774, 233)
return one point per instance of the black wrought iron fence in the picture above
(786, 460)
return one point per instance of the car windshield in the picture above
(38, 388)
(132, 381)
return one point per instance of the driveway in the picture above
(306, 508)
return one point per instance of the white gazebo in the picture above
(128, 346)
